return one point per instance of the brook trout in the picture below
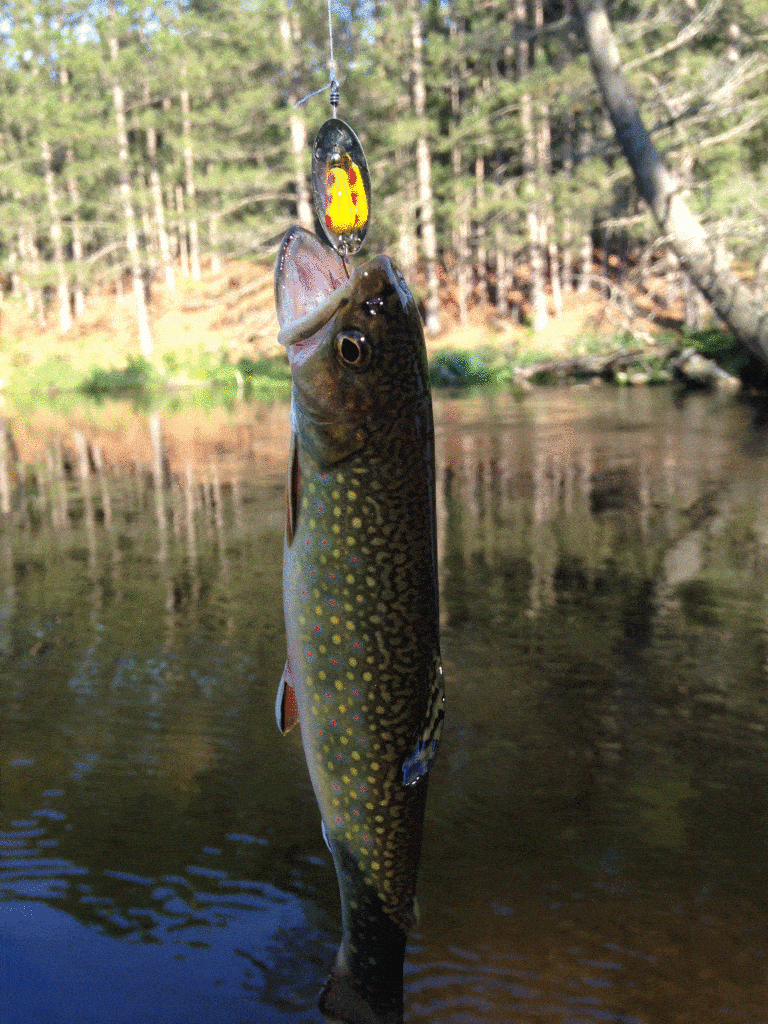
(363, 676)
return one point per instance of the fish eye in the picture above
(353, 350)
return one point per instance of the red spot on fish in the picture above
(334, 723)
(328, 223)
(363, 788)
(339, 757)
(362, 741)
(331, 602)
(353, 197)
(352, 179)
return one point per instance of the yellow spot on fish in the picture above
(353, 662)
(350, 675)
(367, 676)
(375, 865)
(335, 528)
(321, 674)
(355, 755)
(350, 540)
(338, 684)
(350, 578)
(336, 638)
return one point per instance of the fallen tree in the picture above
(731, 299)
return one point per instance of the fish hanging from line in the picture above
(363, 675)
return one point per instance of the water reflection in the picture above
(596, 838)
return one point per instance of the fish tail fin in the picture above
(341, 1003)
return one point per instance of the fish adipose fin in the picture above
(427, 738)
(286, 705)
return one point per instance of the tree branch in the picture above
(731, 299)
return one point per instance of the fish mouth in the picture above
(311, 285)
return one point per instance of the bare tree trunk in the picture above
(156, 190)
(189, 178)
(533, 216)
(57, 238)
(182, 232)
(74, 198)
(481, 257)
(732, 300)
(291, 35)
(586, 255)
(213, 230)
(460, 239)
(424, 178)
(131, 238)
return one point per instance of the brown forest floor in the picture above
(224, 318)
(232, 313)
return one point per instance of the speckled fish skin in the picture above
(361, 611)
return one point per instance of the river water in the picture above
(597, 827)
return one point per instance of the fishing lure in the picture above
(341, 186)
(341, 183)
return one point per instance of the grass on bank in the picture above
(215, 342)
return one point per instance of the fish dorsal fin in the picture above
(292, 491)
(427, 737)
(286, 705)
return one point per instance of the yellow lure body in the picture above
(346, 202)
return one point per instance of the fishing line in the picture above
(333, 85)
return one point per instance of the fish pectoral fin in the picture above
(427, 737)
(286, 705)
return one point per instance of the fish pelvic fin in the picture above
(427, 738)
(286, 705)
(341, 1003)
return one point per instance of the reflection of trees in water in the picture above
(604, 633)
(605, 627)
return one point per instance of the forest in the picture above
(147, 142)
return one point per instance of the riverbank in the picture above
(220, 335)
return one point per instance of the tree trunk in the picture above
(291, 37)
(74, 198)
(460, 233)
(533, 215)
(57, 238)
(732, 300)
(189, 178)
(424, 178)
(182, 232)
(156, 191)
(131, 238)
(481, 258)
